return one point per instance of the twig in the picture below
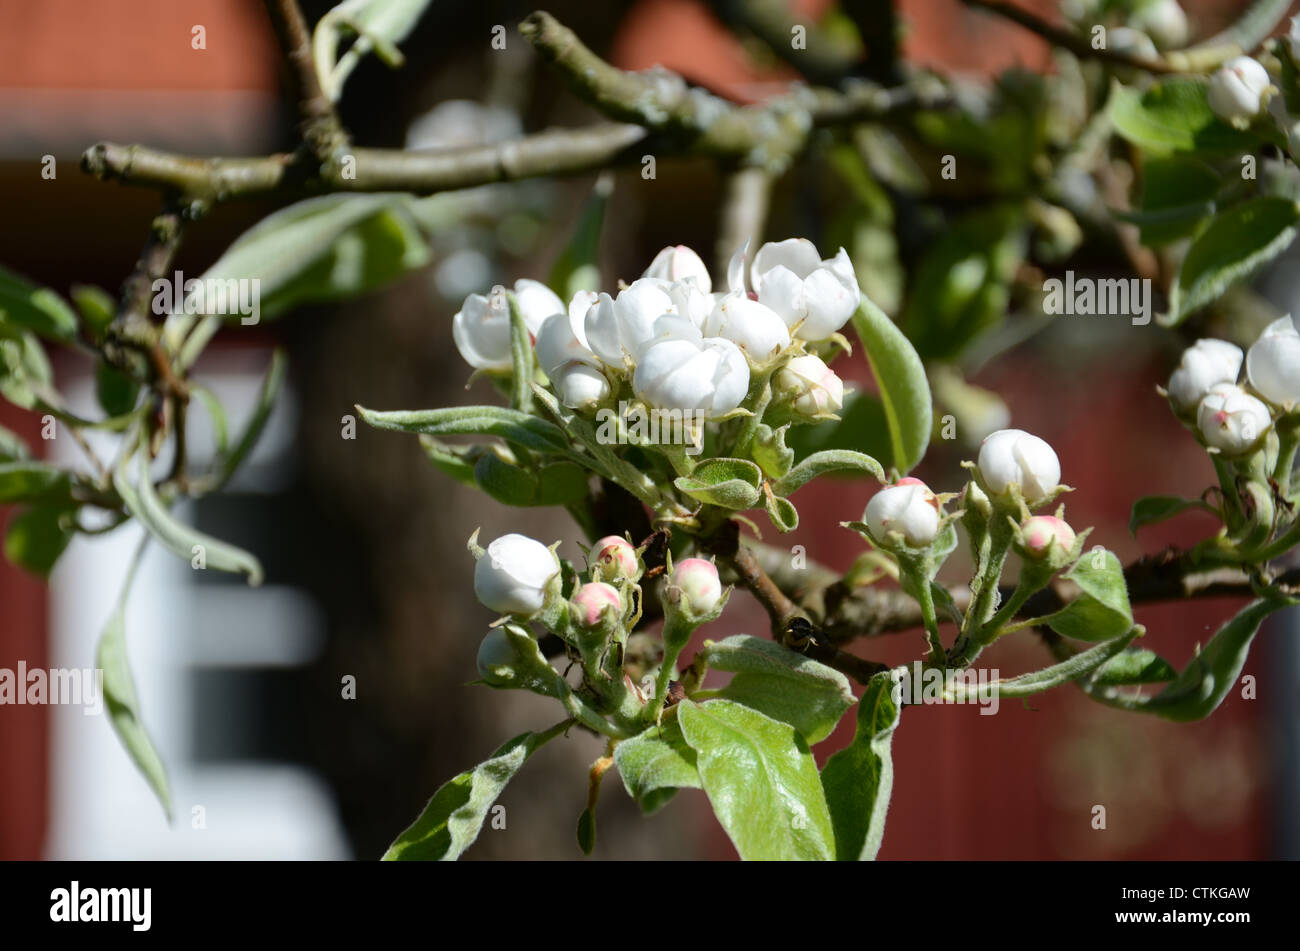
(319, 125)
(1076, 44)
(744, 212)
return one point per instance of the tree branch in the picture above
(319, 125)
(1067, 40)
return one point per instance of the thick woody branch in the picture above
(553, 152)
(658, 114)
(1170, 576)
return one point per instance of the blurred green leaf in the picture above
(325, 248)
(29, 481)
(1178, 196)
(1173, 115)
(38, 309)
(1133, 665)
(121, 700)
(1235, 246)
(577, 268)
(37, 536)
(115, 390)
(961, 288)
(377, 25)
(96, 305)
(509, 424)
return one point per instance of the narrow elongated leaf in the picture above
(781, 683)
(656, 763)
(1178, 194)
(230, 461)
(1082, 663)
(1206, 680)
(1133, 665)
(454, 816)
(377, 25)
(859, 779)
(182, 540)
(820, 463)
(760, 779)
(121, 701)
(509, 424)
(904, 389)
(324, 248)
(1235, 246)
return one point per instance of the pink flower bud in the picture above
(699, 583)
(616, 556)
(1041, 532)
(593, 598)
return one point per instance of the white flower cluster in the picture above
(681, 344)
(1204, 387)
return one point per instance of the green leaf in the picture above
(770, 451)
(820, 463)
(962, 286)
(27, 481)
(1178, 194)
(1236, 244)
(452, 819)
(900, 377)
(1173, 115)
(782, 512)
(1205, 682)
(216, 413)
(455, 461)
(325, 248)
(859, 779)
(521, 359)
(760, 779)
(38, 309)
(509, 424)
(121, 701)
(378, 25)
(182, 540)
(229, 462)
(781, 683)
(115, 390)
(1133, 665)
(12, 447)
(1073, 668)
(96, 305)
(1157, 508)
(577, 267)
(731, 483)
(25, 371)
(655, 763)
(37, 536)
(1102, 610)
